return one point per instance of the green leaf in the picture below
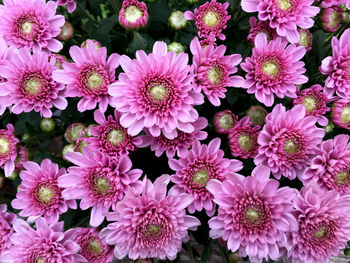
(206, 255)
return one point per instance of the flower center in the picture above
(290, 147)
(33, 85)
(309, 103)
(133, 13)
(4, 145)
(95, 81)
(342, 177)
(27, 27)
(102, 185)
(158, 92)
(45, 194)
(245, 142)
(211, 19)
(252, 215)
(226, 121)
(153, 229)
(334, 18)
(270, 68)
(345, 115)
(115, 137)
(95, 247)
(40, 260)
(284, 4)
(320, 232)
(214, 75)
(201, 178)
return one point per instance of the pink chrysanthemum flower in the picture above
(324, 225)
(22, 157)
(111, 137)
(284, 15)
(98, 180)
(331, 18)
(254, 214)
(288, 141)
(193, 171)
(89, 76)
(148, 223)
(91, 246)
(210, 19)
(330, 3)
(67, 32)
(260, 27)
(213, 71)
(156, 92)
(8, 149)
(243, 139)
(6, 221)
(30, 85)
(208, 41)
(314, 101)
(39, 193)
(47, 243)
(133, 14)
(337, 67)
(94, 43)
(340, 114)
(180, 144)
(330, 168)
(31, 24)
(223, 121)
(71, 4)
(274, 68)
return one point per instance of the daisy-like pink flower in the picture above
(314, 101)
(254, 214)
(178, 145)
(193, 171)
(330, 168)
(155, 91)
(6, 221)
(30, 85)
(98, 180)
(337, 67)
(260, 27)
(243, 139)
(284, 15)
(288, 141)
(91, 246)
(213, 71)
(45, 243)
(70, 4)
(223, 121)
(210, 19)
(340, 114)
(133, 14)
(148, 223)
(111, 137)
(89, 76)
(8, 149)
(274, 68)
(31, 24)
(39, 193)
(324, 225)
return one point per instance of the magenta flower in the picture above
(92, 247)
(155, 92)
(71, 4)
(261, 27)
(178, 145)
(89, 76)
(39, 193)
(193, 171)
(148, 223)
(98, 180)
(254, 214)
(288, 141)
(110, 137)
(314, 101)
(223, 121)
(210, 19)
(47, 243)
(284, 15)
(6, 221)
(30, 85)
(31, 24)
(133, 14)
(212, 71)
(8, 149)
(324, 225)
(274, 68)
(243, 139)
(341, 113)
(22, 157)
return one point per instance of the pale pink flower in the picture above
(133, 14)
(340, 114)
(6, 230)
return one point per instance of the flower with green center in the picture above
(4, 145)
(73, 132)
(257, 115)
(211, 19)
(158, 92)
(177, 20)
(95, 81)
(40, 260)
(201, 178)
(226, 121)
(320, 232)
(245, 141)
(309, 103)
(47, 124)
(305, 38)
(284, 4)
(214, 75)
(95, 247)
(27, 27)
(345, 115)
(342, 178)
(102, 185)
(33, 85)
(176, 47)
(252, 215)
(115, 137)
(290, 146)
(153, 229)
(133, 13)
(270, 68)
(44, 194)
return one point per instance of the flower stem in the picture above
(190, 252)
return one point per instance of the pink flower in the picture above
(47, 243)
(260, 27)
(193, 171)
(284, 15)
(243, 139)
(71, 4)
(305, 39)
(223, 121)
(180, 144)
(274, 68)
(30, 85)
(331, 18)
(8, 149)
(330, 3)
(133, 14)
(148, 223)
(155, 92)
(314, 101)
(6, 221)
(288, 141)
(22, 157)
(254, 215)
(340, 114)
(39, 193)
(110, 137)
(89, 76)
(92, 247)
(31, 24)
(324, 225)
(98, 180)
(210, 19)
(212, 71)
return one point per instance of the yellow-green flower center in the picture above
(334, 18)
(342, 178)
(102, 185)
(211, 19)
(95, 81)
(201, 178)
(290, 147)
(320, 232)
(115, 136)
(345, 115)
(133, 13)
(304, 39)
(214, 75)
(252, 215)
(33, 85)
(309, 103)
(95, 247)
(4, 145)
(245, 142)
(45, 194)
(226, 121)
(284, 4)
(27, 27)
(158, 92)
(153, 229)
(40, 260)
(270, 68)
